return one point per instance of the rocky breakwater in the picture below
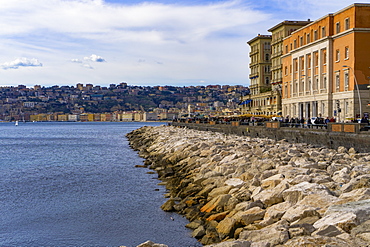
(258, 192)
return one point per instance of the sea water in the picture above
(75, 184)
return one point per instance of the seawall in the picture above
(318, 137)
(247, 191)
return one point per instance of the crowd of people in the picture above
(287, 121)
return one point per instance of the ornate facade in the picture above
(261, 99)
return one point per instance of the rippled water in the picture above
(74, 184)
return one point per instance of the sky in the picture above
(147, 43)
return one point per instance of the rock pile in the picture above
(238, 191)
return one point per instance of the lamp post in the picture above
(358, 91)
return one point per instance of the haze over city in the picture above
(163, 42)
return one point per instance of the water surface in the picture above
(75, 184)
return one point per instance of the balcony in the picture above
(253, 52)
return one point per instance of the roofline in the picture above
(289, 23)
(332, 14)
(351, 6)
(259, 36)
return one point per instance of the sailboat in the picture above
(16, 123)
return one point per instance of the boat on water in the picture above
(16, 123)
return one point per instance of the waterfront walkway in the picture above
(331, 135)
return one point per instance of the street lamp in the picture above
(358, 91)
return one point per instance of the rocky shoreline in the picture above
(239, 191)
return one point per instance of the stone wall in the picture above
(317, 137)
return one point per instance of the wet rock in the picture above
(199, 232)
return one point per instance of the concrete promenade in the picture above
(334, 136)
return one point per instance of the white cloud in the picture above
(76, 60)
(21, 62)
(87, 66)
(95, 58)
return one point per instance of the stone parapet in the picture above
(341, 136)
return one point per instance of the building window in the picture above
(323, 108)
(316, 59)
(337, 27)
(295, 44)
(295, 86)
(286, 91)
(286, 49)
(309, 61)
(267, 57)
(286, 70)
(300, 41)
(337, 82)
(308, 38)
(323, 55)
(267, 80)
(323, 32)
(324, 80)
(301, 64)
(346, 24)
(346, 52)
(346, 80)
(295, 65)
(315, 35)
(267, 69)
(337, 55)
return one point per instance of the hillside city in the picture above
(120, 102)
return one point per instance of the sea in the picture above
(76, 184)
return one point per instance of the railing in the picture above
(333, 127)
(305, 126)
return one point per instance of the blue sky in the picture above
(164, 42)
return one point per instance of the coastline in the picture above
(260, 192)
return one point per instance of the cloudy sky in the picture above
(160, 42)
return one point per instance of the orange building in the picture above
(326, 66)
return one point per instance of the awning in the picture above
(246, 102)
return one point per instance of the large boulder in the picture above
(319, 201)
(271, 196)
(151, 244)
(219, 191)
(315, 241)
(235, 243)
(299, 191)
(216, 204)
(226, 227)
(275, 235)
(346, 216)
(249, 216)
(274, 213)
(362, 181)
(298, 212)
(272, 182)
(346, 221)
